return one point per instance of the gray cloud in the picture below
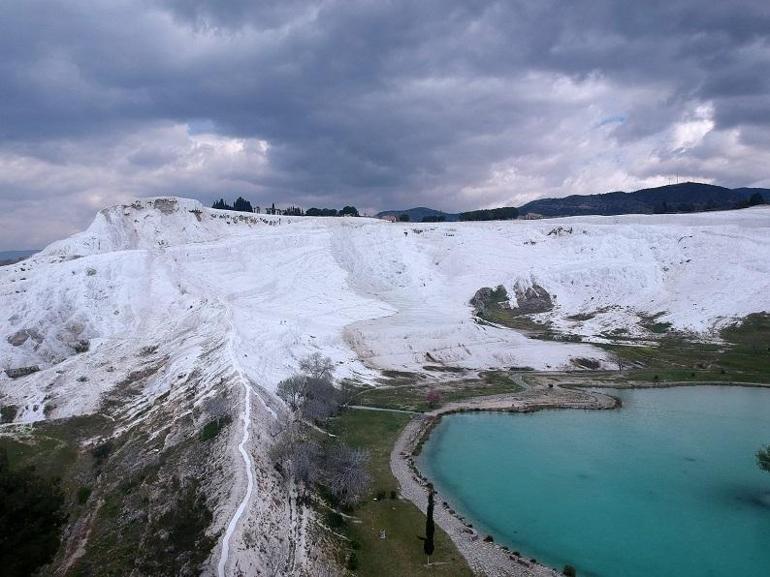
(453, 104)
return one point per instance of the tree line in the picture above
(503, 213)
(755, 199)
(243, 205)
(240, 204)
(345, 211)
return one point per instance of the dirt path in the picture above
(247, 461)
(382, 409)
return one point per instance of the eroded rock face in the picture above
(165, 205)
(21, 371)
(486, 296)
(20, 337)
(532, 299)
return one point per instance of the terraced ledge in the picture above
(484, 558)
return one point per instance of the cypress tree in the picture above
(430, 527)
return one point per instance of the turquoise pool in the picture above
(665, 486)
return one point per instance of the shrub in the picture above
(380, 495)
(393, 494)
(334, 520)
(8, 413)
(352, 563)
(213, 427)
(31, 515)
(101, 452)
(569, 571)
(179, 542)
(83, 494)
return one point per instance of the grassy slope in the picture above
(412, 397)
(744, 356)
(401, 554)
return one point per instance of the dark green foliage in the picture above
(83, 494)
(213, 427)
(349, 211)
(293, 211)
(321, 212)
(428, 544)
(503, 213)
(754, 200)
(434, 218)
(403, 218)
(569, 571)
(352, 563)
(652, 324)
(763, 458)
(241, 205)
(8, 413)
(178, 543)
(334, 520)
(31, 516)
(682, 207)
(101, 452)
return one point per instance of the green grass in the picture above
(743, 357)
(400, 554)
(213, 428)
(652, 324)
(53, 449)
(412, 397)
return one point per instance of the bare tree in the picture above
(321, 399)
(317, 366)
(306, 461)
(347, 474)
(298, 454)
(292, 391)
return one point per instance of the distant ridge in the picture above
(13, 256)
(684, 197)
(420, 212)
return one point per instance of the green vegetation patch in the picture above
(743, 357)
(421, 397)
(31, 516)
(400, 553)
(493, 306)
(652, 324)
(213, 428)
(8, 413)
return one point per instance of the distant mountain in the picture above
(417, 214)
(14, 256)
(684, 197)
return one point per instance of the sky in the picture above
(452, 104)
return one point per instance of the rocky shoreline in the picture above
(484, 556)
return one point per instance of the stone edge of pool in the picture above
(487, 558)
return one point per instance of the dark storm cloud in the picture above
(384, 104)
